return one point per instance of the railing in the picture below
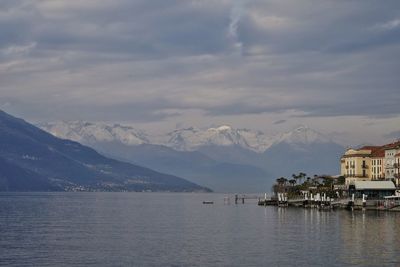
(355, 176)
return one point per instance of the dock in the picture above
(322, 202)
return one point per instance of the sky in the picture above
(161, 64)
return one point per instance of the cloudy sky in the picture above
(160, 64)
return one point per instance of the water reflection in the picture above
(370, 238)
(116, 229)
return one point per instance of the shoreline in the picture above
(343, 204)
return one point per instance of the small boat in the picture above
(208, 202)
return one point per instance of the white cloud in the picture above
(390, 25)
(18, 50)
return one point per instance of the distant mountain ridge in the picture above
(222, 158)
(96, 132)
(186, 139)
(34, 160)
(191, 139)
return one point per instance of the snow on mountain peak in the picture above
(224, 135)
(302, 135)
(87, 132)
(186, 139)
(223, 128)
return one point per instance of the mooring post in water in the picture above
(364, 200)
(236, 199)
(227, 200)
(352, 200)
(311, 199)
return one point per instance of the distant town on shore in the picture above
(369, 178)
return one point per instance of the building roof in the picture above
(392, 145)
(378, 153)
(369, 147)
(377, 185)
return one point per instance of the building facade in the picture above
(371, 163)
(397, 168)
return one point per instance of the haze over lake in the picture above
(176, 229)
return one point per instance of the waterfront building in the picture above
(397, 168)
(390, 162)
(377, 164)
(355, 164)
(370, 163)
(373, 189)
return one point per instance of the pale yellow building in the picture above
(356, 164)
(372, 163)
(377, 164)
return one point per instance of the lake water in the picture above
(167, 229)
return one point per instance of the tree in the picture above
(292, 182)
(302, 175)
(295, 177)
(281, 181)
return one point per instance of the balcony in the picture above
(355, 176)
(364, 166)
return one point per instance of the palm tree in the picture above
(295, 177)
(292, 182)
(302, 175)
(281, 181)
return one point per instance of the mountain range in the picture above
(34, 160)
(222, 158)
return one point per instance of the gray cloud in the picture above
(395, 135)
(155, 60)
(279, 122)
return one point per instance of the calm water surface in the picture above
(152, 229)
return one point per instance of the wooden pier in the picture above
(240, 198)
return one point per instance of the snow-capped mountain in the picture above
(223, 158)
(191, 139)
(187, 139)
(302, 135)
(87, 132)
